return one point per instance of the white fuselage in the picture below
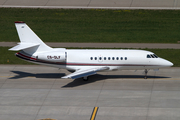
(114, 59)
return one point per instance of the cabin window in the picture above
(100, 58)
(121, 58)
(104, 58)
(91, 58)
(95, 58)
(112, 58)
(148, 56)
(109, 58)
(125, 58)
(117, 58)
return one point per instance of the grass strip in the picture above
(8, 57)
(93, 25)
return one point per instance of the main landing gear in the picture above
(85, 78)
(145, 71)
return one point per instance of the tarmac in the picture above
(93, 4)
(33, 92)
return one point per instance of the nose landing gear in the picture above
(145, 71)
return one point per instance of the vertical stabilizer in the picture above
(29, 40)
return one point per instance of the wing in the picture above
(85, 72)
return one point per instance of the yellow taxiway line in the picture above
(94, 113)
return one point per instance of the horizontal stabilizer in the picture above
(85, 72)
(22, 46)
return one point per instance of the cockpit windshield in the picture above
(155, 55)
(152, 56)
(148, 56)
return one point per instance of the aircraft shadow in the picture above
(97, 77)
(21, 74)
(79, 81)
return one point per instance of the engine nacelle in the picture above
(57, 56)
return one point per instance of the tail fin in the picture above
(30, 42)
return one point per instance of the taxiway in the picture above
(104, 45)
(92, 4)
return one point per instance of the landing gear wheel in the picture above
(85, 78)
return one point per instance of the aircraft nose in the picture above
(166, 63)
(170, 63)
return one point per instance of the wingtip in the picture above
(19, 22)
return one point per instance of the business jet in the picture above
(83, 62)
